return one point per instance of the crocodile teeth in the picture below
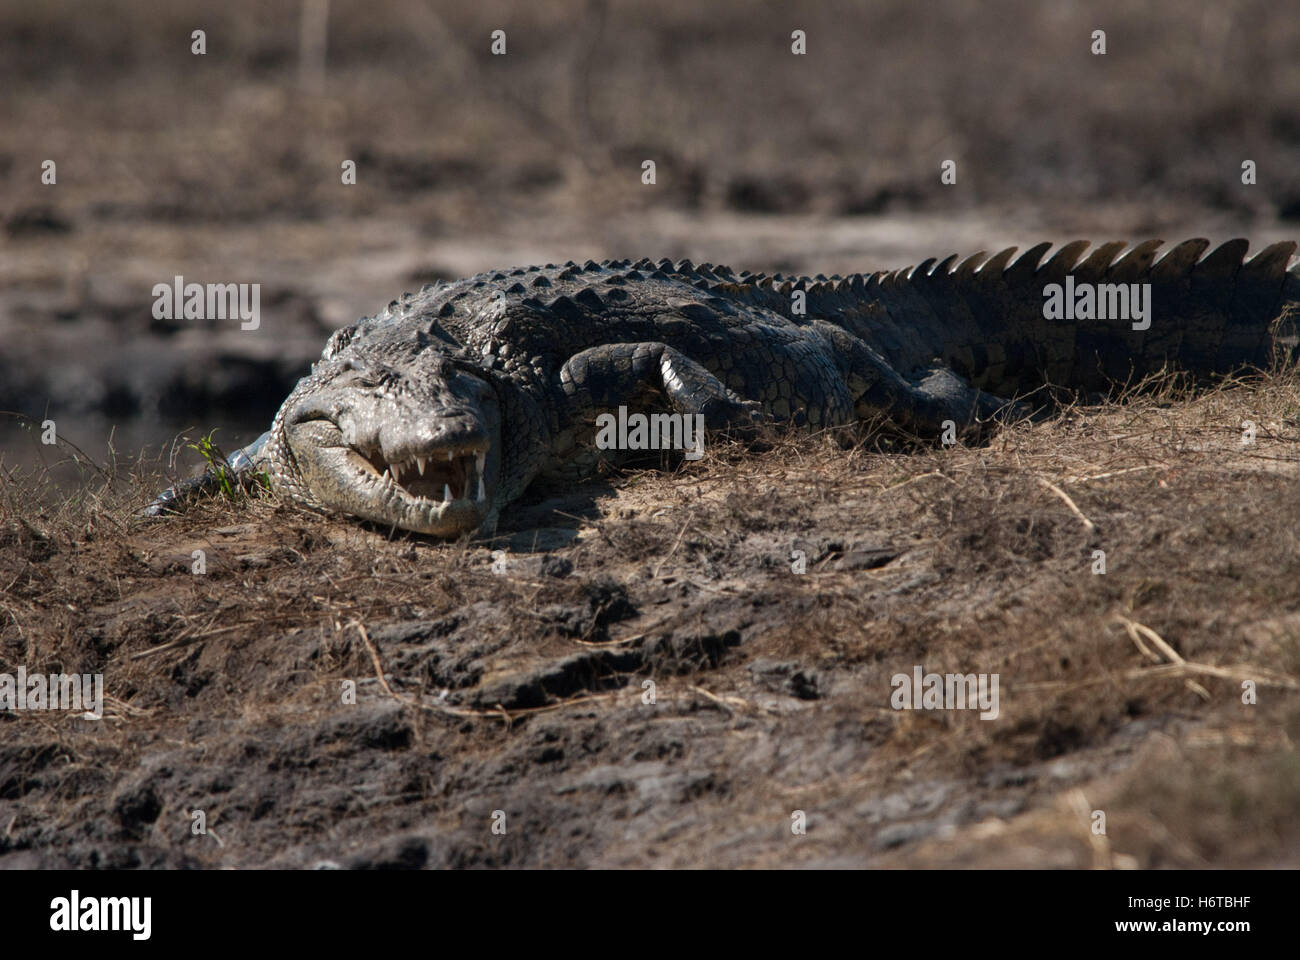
(479, 460)
(446, 492)
(450, 456)
(419, 465)
(482, 491)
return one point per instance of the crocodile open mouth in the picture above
(442, 476)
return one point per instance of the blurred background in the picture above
(225, 167)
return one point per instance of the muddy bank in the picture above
(648, 681)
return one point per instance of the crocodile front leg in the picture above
(604, 378)
(647, 377)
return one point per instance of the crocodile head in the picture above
(403, 435)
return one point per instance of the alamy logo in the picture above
(947, 691)
(213, 301)
(74, 913)
(656, 431)
(53, 691)
(1098, 301)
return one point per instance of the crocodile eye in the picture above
(446, 369)
(360, 374)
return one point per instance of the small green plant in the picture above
(217, 464)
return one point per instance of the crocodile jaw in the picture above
(450, 496)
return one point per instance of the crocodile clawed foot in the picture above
(743, 419)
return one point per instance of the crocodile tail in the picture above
(991, 319)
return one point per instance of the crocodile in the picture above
(438, 411)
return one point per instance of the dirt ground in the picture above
(634, 675)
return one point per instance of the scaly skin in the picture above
(477, 387)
